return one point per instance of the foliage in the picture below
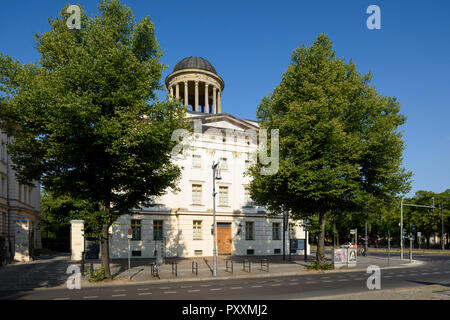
(340, 149)
(86, 120)
(320, 266)
(97, 275)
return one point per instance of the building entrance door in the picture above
(224, 238)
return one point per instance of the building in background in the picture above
(20, 207)
(180, 224)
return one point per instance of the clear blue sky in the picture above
(250, 44)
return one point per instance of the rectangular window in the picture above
(247, 164)
(4, 223)
(196, 193)
(157, 229)
(291, 231)
(136, 228)
(249, 231)
(223, 196)
(197, 230)
(223, 163)
(247, 200)
(3, 186)
(276, 231)
(196, 161)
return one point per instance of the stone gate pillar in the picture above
(22, 243)
(76, 239)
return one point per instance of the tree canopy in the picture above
(340, 147)
(86, 119)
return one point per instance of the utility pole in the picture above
(284, 235)
(401, 229)
(366, 240)
(442, 222)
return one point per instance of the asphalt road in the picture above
(435, 270)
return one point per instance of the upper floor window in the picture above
(247, 200)
(196, 193)
(196, 161)
(223, 163)
(223, 196)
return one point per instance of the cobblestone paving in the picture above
(43, 272)
(432, 292)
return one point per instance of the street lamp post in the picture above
(216, 176)
(401, 229)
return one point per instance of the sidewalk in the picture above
(140, 271)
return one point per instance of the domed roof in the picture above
(194, 63)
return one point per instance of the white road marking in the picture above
(424, 273)
(311, 282)
(344, 280)
(167, 292)
(327, 281)
(61, 299)
(359, 278)
(91, 297)
(236, 288)
(205, 285)
(275, 285)
(215, 289)
(400, 275)
(145, 294)
(193, 290)
(293, 283)
(257, 286)
(118, 295)
(186, 286)
(163, 288)
(119, 290)
(143, 289)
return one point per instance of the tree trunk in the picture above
(320, 255)
(105, 250)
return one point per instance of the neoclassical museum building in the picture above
(180, 224)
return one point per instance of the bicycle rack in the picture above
(154, 271)
(246, 265)
(265, 264)
(175, 269)
(229, 266)
(195, 267)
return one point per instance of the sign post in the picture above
(130, 235)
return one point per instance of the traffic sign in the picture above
(352, 231)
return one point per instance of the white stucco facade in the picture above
(186, 216)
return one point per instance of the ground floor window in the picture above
(136, 228)
(276, 231)
(197, 230)
(249, 231)
(157, 229)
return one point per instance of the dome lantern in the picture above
(195, 81)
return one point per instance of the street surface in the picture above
(434, 271)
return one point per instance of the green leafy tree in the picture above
(339, 143)
(86, 120)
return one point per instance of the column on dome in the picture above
(219, 102)
(196, 96)
(206, 98)
(177, 91)
(214, 100)
(171, 93)
(186, 96)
